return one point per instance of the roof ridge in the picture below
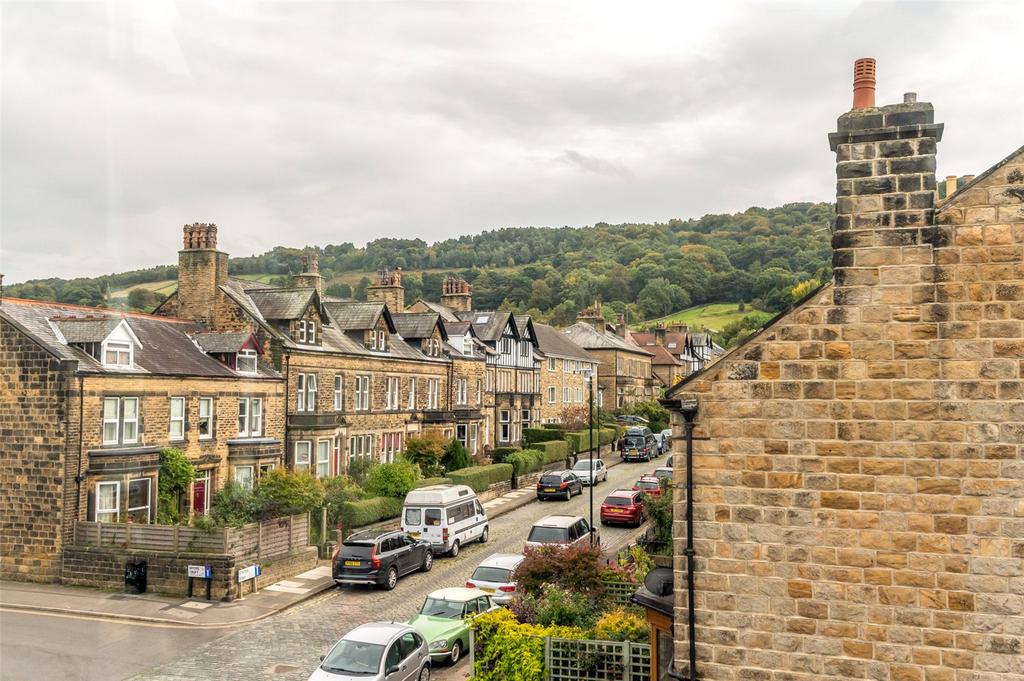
(101, 310)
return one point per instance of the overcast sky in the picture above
(298, 123)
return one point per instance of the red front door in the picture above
(199, 495)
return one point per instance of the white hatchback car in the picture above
(584, 468)
(379, 651)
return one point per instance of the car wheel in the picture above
(454, 550)
(456, 652)
(428, 561)
(485, 535)
(568, 494)
(424, 674)
(391, 580)
(604, 522)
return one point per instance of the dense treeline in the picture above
(643, 270)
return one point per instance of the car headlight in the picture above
(440, 644)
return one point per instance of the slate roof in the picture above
(165, 346)
(281, 303)
(661, 355)
(223, 342)
(85, 329)
(416, 325)
(447, 314)
(589, 338)
(553, 342)
(358, 316)
(458, 328)
(488, 326)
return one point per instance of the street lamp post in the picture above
(590, 419)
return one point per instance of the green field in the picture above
(714, 316)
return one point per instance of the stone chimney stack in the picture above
(885, 198)
(456, 293)
(388, 289)
(309, 277)
(592, 315)
(201, 271)
(620, 326)
(659, 334)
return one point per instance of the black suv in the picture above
(638, 444)
(380, 558)
(559, 485)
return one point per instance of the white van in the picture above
(447, 516)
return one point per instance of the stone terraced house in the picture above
(89, 398)
(858, 488)
(566, 370)
(624, 368)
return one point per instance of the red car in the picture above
(648, 484)
(623, 506)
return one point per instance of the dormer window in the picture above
(467, 345)
(117, 354)
(307, 331)
(378, 340)
(245, 361)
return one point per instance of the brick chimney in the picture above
(388, 289)
(885, 197)
(309, 277)
(201, 271)
(456, 293)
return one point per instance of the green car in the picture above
(444, 621)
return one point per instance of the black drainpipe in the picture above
(689, 411)
(79, 477)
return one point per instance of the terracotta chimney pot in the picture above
(864, 83)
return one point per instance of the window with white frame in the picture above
(120, 420)
(243, 417)
(108, 502)
(245, 361)
(323, 458)
(339, 392)
(462, 434)
(552, 363)
(118, 354)
(301, 324)
(176, 430)
(479, 392)
(250, 416)
(205, 418)
(140, 499)
(579, 394)
(565, 394)
(411, 403)
(307, 331)
(311, 392)
(303, 453)
(524, 418)
(462, 391)
(362, 393)
(565, 366)
(378, 340)
(360, 445)
(505, 426)
(467, 345)
(474, 431)
(391, 385)
(551, 395)
(433, 392)
(305, 392)
(244, 476)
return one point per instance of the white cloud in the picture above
(308, 122)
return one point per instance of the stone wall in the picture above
(34, 389)
(859, 504)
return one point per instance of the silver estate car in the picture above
(379, 651)
(494, 575)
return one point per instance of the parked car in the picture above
(558, 485)
(638, 444)
(664, 473)
(444, 618)
(668, 461)
(379, 558)
(630, 418)
(664, 440)
(446, 516)
(648, 484)
(623, 506)
(494, 576)
(583, 467)
(564, 530)
(379, 651)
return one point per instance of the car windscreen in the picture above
(548, 535)
(492, 574)
(551, 480)
(353, 657)
(438, 607)
(585, 465)
(413, 516)
(647, 484)
(432, 516)
(634, 441)
(619, 501)
(357, 549)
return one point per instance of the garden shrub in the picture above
(337, 491)
(555, 450)
(368, 511)
(233, 505)
(392, 479)
(580, 440)
(621, 624)
(501, 453)
(553, 426)
(659, 509)
(534, 435)
(576, 568)
(561, 607)
(509, 651)
(176, 474)
(455, 457)
(426, 451)
(359, 467)
(427, 482)
(526, 461)
(282, 493)
(480, 477)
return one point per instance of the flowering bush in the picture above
(621, 624)
(506, 650)
(575, 568)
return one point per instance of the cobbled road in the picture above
(287, 646)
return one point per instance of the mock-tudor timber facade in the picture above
(859, 485)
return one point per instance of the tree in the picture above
(339, 290)
(144, 299)
(282, 493)
(426, 451)
(455, 457)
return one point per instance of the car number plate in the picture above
(549, 489)
(352, 563)
(617, 510)
(487, 589)
(414, 535)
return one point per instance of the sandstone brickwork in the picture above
(859, 501)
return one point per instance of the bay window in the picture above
(303, 452)
(139, 499)
(323, 458)
(108, 502)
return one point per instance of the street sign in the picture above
(251, 572)
(200, 571)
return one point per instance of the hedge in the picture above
(553, 426)
(580, 441)
(535, 435)
(480, 477)
(501, 453)
(369, 511)
(527, 461)
(426, 482)
(556, 450)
